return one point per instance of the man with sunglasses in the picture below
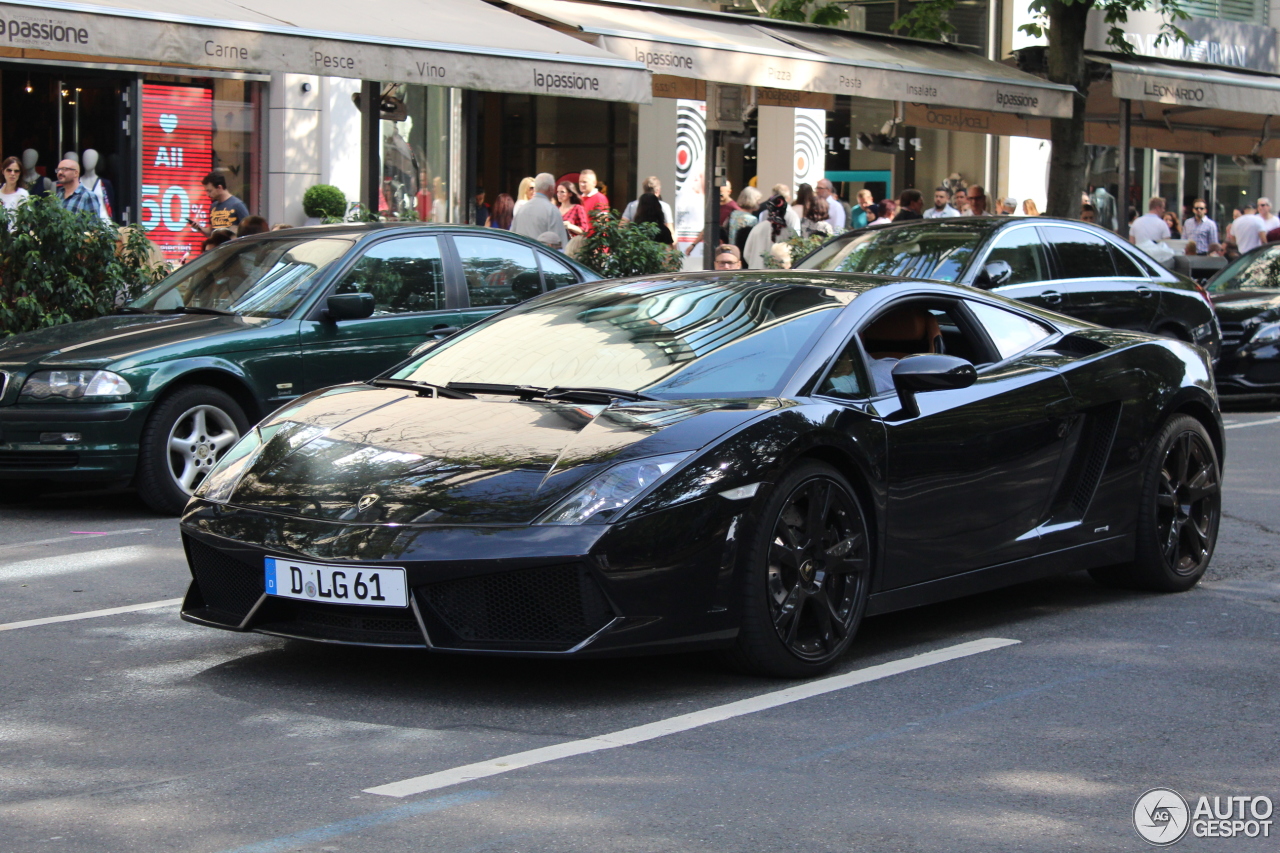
(1200, 231)
(73, 195)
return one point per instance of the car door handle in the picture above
(1144, 292)
(1053, 297)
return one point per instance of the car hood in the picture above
(424, 460)
(104, 340)
(1236, 306)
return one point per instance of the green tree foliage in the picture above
(324, 200)
(1063, 23)
(614, 248)
(58, 267)
(802, 11)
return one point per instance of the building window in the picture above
(1244, 11)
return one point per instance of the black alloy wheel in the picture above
(807, 575)
(1180, 510)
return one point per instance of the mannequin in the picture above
(100, 187)
(34, 182)
(73, 156)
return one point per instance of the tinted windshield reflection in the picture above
(260, 278)
(1250, 271)
(735, 338)
(917, 251)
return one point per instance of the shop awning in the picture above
(465, 43)
(1174, 107)
(726, 48)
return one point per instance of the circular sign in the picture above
(1161, 817)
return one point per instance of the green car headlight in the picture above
(75, 384)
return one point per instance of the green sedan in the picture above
(155, 394)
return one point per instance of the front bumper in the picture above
(660, 581)
(1249, 370)
(108, 449)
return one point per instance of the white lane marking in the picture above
(102, 558)
(684, 722)
(1253, 423)
(79, 537)
(90, 614)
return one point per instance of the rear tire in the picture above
(188, 432)
(1180, 508)
(805, 576)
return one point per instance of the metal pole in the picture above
(711, 218)
(1122, 203)
(370, 143)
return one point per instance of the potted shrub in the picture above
(324, 203)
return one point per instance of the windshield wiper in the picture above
(524, 392)
(422, 388)
(196, 309)
(594, 394)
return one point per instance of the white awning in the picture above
(749, 51)
(465, 43)
(1198, 87)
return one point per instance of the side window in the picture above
(916, 327)
(1126, 266)
(842, 380)
(1080, 254)
(1022, 251)
(555, 273)
(405, 275)
(498, 272)
(1011, 333)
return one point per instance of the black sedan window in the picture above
(1022, 251)
(1080, 254)
(1259, 269)
(254, 278)
(938, 252)
(664, 338)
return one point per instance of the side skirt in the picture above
(1106, 552)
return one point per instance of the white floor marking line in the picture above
(684, 722)
(79, 537)
(90, 614)
(84, 561)
(1252, 423)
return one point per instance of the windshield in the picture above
(668, 339)
(260, 278)
(934, 251)
(1250, 272)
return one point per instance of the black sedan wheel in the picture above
(1181, 508)
(806, 576)
(186, 435)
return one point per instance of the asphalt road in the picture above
(135, 731)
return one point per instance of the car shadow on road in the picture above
(389, 686)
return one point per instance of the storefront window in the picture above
(415, 154)
(1237, 187)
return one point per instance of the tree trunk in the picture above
(1065, 56)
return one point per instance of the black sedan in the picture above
(1067, 266)
(1247, 295)
(748, 461)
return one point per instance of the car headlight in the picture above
(75, 384)
(1266, 334)
(607, 493)
(225, 476)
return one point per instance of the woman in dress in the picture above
(503, 212)
(804, 196)
(11, 193)
(648, 209)
(523, 194)
(571, 209)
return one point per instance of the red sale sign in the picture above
(177, 152)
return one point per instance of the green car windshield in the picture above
(925, 250)
(1250, 272)
(665, 339)
(258, 278)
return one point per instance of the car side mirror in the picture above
(925, 372)
(994, 274)
(349, 306)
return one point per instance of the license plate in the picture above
(372, 586)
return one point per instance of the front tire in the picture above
(187, 433)
(1180, 509)
(805, 576)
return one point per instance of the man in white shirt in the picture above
(836, 218)
(651, 185)
(540, 214)
(942, 208)
(1151, 226)
(1250, 230)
